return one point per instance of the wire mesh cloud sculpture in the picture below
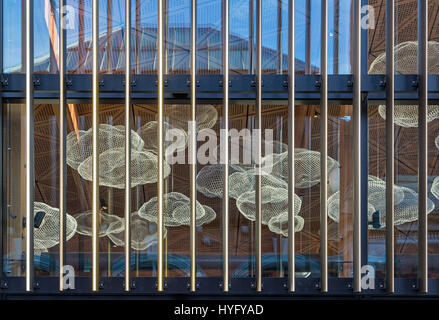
(307, 168)
(108, 223)
(148, 133)
(274, 203)
(144, 167)
(143, 233)
(47, 234)
(406, 203)
(435, 187)
(79, 144)
(406, 62)
(179, 116)
(279, 224)
(176, 211)
(210, 181)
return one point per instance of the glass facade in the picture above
(354, 239)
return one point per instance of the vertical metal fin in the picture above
(357, 146)
(193, 143)
(258, 120)
(291, 128)
(225, 149)
(423, 151)
(127, 143)
(95, 143)
(390, 152)
(29, 127)
(324, 150)
(160, 153)
(62, 143)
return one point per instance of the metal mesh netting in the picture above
(307, 168)
(406, 62)
(148, 133)
(279, 224)
(210, 181)
(144, 167)
(79, 145)
(274, 203)
(406, 203)
(108, 223)
(435, 187)
(143, 233)
(180, 115)
(47, 234)
(176, 210)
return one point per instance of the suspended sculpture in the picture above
(143, 233)
(144, 167)
(435, 188)
(179, 116)
(306, 166)
(176, 211)
(148, 133)
(46, 235)
(406, 62)
(274, 203)
(279, 224)
(406, 203)
(210, 181)
(108, 223)
(80, 148)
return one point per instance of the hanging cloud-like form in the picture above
(406, 62)
(406, 203)
(176, 211)
(143, 233)
(47, 234)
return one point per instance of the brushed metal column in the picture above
(95, 145)
(160, 141)
(225, 202)
(390, 152)
(423, 151)
(258, 147)
(324, 150)
(357, 146)
(62, 143)
(193, 144)
(29, 128)
(291, 128)
(127, 207)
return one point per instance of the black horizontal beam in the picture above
(212, 286)
(179, 85)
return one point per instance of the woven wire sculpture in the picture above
(435, 188)
(306, 168)
(180, 115)
(406, 62)
(144, 167)
(176, 211)
(47, 234)
(80, 148)
(148, 133)
(406, 203)
(279, 224)
(143, 233)
(274, 203)
(210, 181)
(108, 223)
